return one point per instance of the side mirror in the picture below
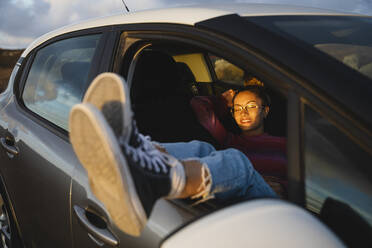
(258, 223)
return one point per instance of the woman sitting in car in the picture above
(249, 107)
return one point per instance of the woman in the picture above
(249, 107)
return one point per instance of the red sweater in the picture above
(267, 153)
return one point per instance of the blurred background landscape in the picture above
(8, 58)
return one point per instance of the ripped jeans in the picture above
(232, 174)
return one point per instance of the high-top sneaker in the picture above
(108, 92)
(127, 180)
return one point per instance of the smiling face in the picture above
(249, 112)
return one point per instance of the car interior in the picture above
(165, 76)
(160, 96)
(162, 86)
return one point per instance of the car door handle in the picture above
(10, 148)
(98, 231)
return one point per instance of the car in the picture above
(316, 65)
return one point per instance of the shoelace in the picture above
(145, 142)
(147, 156)
(141, 140)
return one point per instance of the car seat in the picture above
(161, 100)
(187, 78)
(276, 121)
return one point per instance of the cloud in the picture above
(364, 7)
(16, 17)
(13, 42)
(20, 22)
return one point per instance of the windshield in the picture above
(345, 38)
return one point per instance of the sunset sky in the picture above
(21, 21)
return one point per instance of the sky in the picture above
(22, 21)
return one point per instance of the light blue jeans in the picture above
(233, 175)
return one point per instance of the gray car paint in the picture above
(37, 179)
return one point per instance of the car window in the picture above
(357, 57)
(335, 167)
(226, 71)
(57, 77)
(345, 38)
(197, 64)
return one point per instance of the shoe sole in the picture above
(109, 176)
(110, 87)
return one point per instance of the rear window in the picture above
(57, 78)
(345, 38)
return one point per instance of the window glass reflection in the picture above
(336, 167)
(57, 78)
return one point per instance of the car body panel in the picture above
(259, 223)
(165, 218)
(37, 178)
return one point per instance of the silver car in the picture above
(317, 65)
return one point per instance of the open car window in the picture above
(165, 76)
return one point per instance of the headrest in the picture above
(155, 75)
(188, 82)
(185, 72)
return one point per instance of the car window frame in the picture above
(25, 69)
(352, 129)
(193, 36)
(285, 82)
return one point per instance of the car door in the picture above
(317, 141)
(352, 177)
(337, 177)
(35, 124)
(91, 222)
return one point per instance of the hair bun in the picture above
(253, 81)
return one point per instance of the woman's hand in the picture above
(228, 96)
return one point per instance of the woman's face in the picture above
(248, 111)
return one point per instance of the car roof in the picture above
(188, 15)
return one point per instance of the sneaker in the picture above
(108, 92)
(127, 180)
